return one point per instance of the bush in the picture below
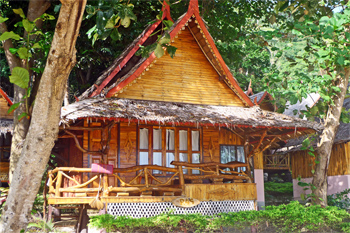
(293, 217)
(340, 200)
(278, 188)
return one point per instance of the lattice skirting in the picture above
(138, 210)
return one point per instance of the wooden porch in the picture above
(212, 182)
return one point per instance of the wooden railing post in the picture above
(105, 185)
(181, 179)
(58, 183)
(146, 177)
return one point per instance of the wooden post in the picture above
(58, 183)
(217, 170)
(105, 185)
(181, 179)
(146, 177)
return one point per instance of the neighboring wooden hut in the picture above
(303, 164)
(178, 132)
(6, 127)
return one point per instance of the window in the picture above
(162, 145)
(229, 153)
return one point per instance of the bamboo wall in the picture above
(188, 77)
(339, 164)
(4, 107)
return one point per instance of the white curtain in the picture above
(195, 140)
(169, 158)
(184, 158)
(183, 139)
(195, 159)
(144, 138)
(143, 158)
(157, 139)
(240, 154)
(170, 139)
(157, 160)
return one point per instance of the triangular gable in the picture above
(188, 78)
(5, 103)
(193, 20)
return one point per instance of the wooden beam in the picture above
(231, 130)
(268, 145)
(80, 128)
(257, 146)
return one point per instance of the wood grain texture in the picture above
(4, 107)
(187, 78)
(303, 163)
(221, 192)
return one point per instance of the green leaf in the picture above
(125, 22)
(20, 77)
(324, 20)
(314, 110)
(36, 46)
(340, 60)
(100, 20)
(13, 107)
(306, 142)
(112, 22)
(303, 184)
(23, 53)
(168, 23)
(171, 50)
(94, 38)
(91, 10)
(19, 12)
(9, 35)
(28, 26)
(2, 19)
(115, 35)
(159, 52)
(45, 17)
(91, 30)
(165, 39)
(13, 50)
(23, 115)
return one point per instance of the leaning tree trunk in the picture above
(43, 129)
(324, 147)
(35, 9)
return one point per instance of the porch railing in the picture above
(277, 161)
(143, 179)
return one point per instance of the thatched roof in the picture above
(242, 120)
(6, 126)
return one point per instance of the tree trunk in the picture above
(35, 10)
(324, 147)
(43, 128)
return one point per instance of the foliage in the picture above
(281, 188)
(319, 55)
(3, 195)
(293, 217)
(41, 225)
(340, 200)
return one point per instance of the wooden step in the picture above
(122, 194)
(168, 194)
(146, 194)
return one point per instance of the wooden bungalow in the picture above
(302, 164)
(178, 132)
(6, 127)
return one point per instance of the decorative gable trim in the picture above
(6, 97)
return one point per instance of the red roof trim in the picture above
(166, 14)
(6, 97)
(192, 9)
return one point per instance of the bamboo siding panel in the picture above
(4, 107)
(188, 78)
(258, 160)
(221, 192)
(213, 138)
(303, 163)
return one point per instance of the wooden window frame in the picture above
(164, 151)
(236, 146)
